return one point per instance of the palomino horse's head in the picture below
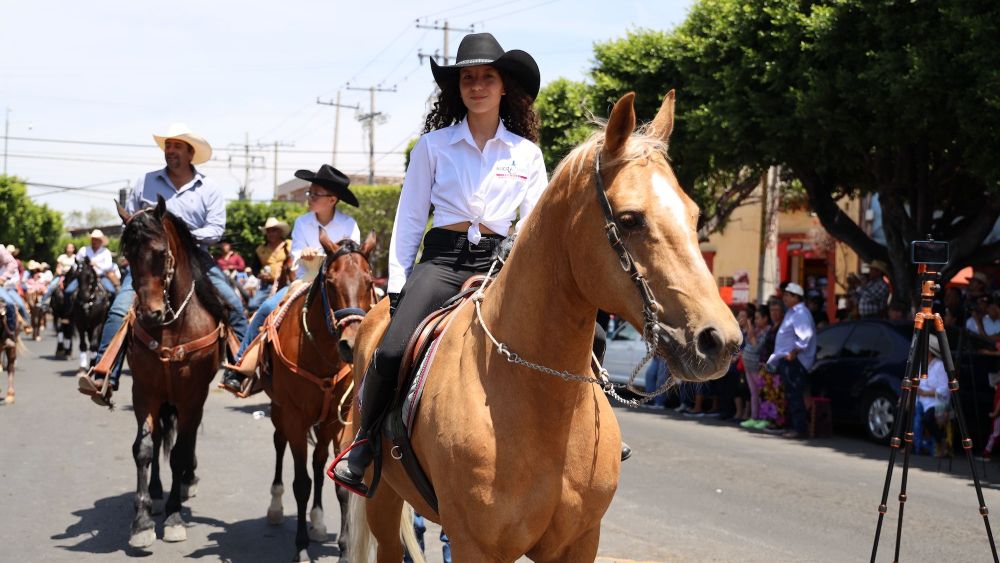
(683, 316)
(347, 288)
(164, 262)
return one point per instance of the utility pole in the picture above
(6, 132)
(276, 144)
(445, 59)
(369, 120)
(248, 161)
(336, 122)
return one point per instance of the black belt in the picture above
(460, 239)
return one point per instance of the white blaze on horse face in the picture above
(667, 193)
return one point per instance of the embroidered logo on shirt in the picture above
(510, 171)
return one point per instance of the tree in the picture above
(34, 229)
(897, 98)
(645, 62)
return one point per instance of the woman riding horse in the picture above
(327, 188)
(477, 164)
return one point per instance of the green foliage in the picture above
(245, 218)
(377, 212)
(565, 109)
(32, 228)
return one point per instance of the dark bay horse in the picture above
(62, 314)
(310, 382)
(178, 339)
(8, 354)
(90, 310)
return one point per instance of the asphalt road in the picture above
(695, 489)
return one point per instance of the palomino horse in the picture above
(526, 462)
(310, 381)
(177, 346)
(90, 310)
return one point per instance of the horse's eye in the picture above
(631, 220)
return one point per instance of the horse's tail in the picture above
(168, 429)
(361, 542)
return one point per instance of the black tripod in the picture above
(917, 364)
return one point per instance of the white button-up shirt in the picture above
(305, 234)
(797, 332)
(937, 381)
(101, 261)
(447, 170)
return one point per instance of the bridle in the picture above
(652, 327)
(335, 321)
(168, 278)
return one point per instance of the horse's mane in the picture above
(144, 227)
(642, 144)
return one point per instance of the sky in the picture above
(107, 75)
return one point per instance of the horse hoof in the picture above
(302, 556)
(317, 534)
(142, 539)
(275, 517)
(189, 491)
(10, 399)
(175, 533)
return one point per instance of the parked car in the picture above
(860, 365)
(624, 351)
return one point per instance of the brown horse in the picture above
(8, 354)
(37, 312)
(178, 339)
(525, 462)
(310, 384)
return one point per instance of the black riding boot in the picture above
(375, 396)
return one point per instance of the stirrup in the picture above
(243, 391)
(100, 395)
(358, 487)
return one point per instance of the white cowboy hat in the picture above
(180, 131)
(795, 289)
(273, 222)
(12, 249)
(98, 233)
(32, 265)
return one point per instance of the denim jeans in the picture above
(123, 301)
(71, 288)
(793, 376)
(920, 444)
(420, 527)
(656, 375)
(258, 319)
(12, 297)
(258, 299)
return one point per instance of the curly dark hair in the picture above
(516, 109)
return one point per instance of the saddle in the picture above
(413, 372)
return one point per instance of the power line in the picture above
(369, 120)
(336, 122)
(504, 15)
(447, 10)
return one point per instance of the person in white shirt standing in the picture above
(794, 354)
(327, 187)
(100, 260)
(478, 165)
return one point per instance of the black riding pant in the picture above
(447, 261)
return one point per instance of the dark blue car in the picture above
(860, 364)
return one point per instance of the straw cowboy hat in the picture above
(32, 265)
(273, 222)
(98, 233)
(12, 249)
(795, 289)
(331, 179)
(483, 49)
(181, 132)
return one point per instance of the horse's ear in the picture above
(663, 123)
(161, 207)
(369, 245)
(122, 213)
(328, 245)
(621, 123)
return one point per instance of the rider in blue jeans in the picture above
(9, 297)
(192, 198)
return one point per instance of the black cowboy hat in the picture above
(483, 49)
(332, 179)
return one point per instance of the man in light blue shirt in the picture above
(794, 353)
(198, 202)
